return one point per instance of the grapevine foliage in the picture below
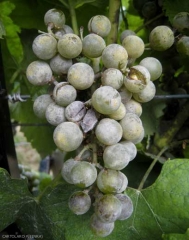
(158, 209)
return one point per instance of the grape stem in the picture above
(73, 17)
(114, 8)
(164, 149)
(149, 22)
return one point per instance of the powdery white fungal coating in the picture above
(116, 156)
(161, 38)
(93, 45)
(108, 131)
(119, 113)
(55, 114)
(132, 126)
(127, 206)
(112, 77)
(66, 169)
(131, 148)
(69, 46)
(79, 202)
(81, 76)
(68, 136)
(64, 94)
(108, 208)
(134, 46)
(111, 181)
(39, 73)
(147, 94)
(83, 174)
(44, 46)
(154, 67)
(133, 106)
(60, 65)
(40, 105)
(56, 17)
(106, 100)
(100, 228)
(115, 56)
(75, 111)
(100, 25)
(125, 34)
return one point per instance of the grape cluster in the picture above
(95, 113)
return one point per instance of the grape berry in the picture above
(96, 114)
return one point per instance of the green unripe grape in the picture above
(93, 45)
(127, 206)
(100, 25)
(154, 67)
(133, 106)
(182, 45)
(106, 100)
(81, 76)
(44, 46)
(69, 46)
(115, 56)
(68, 136)
(64, 94)
(60, 65)
(134, 46)
(161, 38)
(100, 228)
(132, 126)
(39, 73)
(112, 77)
(147, 94)
(83, 174)
(111, 181)
(79, 202)
(108, 208)
(66, 169)
(55, 114)
(56, 17)
(40, 105)
(108, 131)
(125, 34)
(181, 21)
(119, 113)
(116, 157)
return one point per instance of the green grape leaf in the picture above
(171, 7)
(175, 236)
(12, 31)
(158, 209)
(14, 195)
(151, 113)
